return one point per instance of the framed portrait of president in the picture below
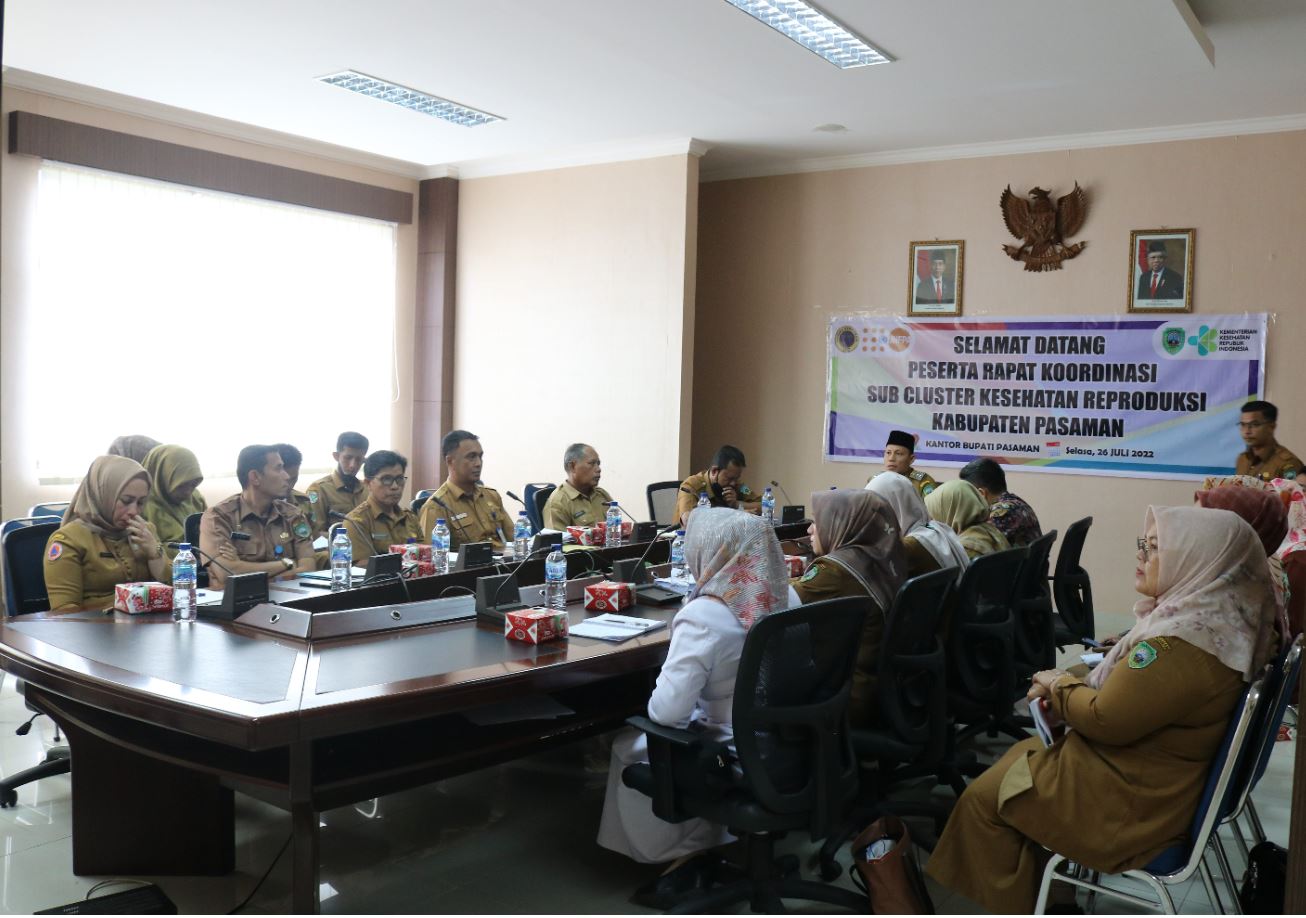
(1161, 270)
(934, 278)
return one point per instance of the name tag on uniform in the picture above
(107, 554)
(285, 535)
(380, 535)
(459, 516)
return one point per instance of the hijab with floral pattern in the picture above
(735, 559)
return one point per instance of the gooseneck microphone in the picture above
(672, 528)
(516, 498)
(617, 504)
(776, 484)
(204, 554)
(512, 574)
(462, 530)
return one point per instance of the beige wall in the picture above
(778, 256)
(561, 274)
(18, 487)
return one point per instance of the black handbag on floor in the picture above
(1263, 883)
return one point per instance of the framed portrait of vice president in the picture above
(934, 278)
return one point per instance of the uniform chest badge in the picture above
(810, 574)
(312, 497)
(301, 530)
(55, 552)
(1142, 656)
(285, 535)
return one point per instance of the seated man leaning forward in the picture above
(382, 520)
(899, 454)
(578, 501)
(1014, 518)
(258, 530)
(722, 483)
(473, 512)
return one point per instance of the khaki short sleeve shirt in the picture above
(283, 533)
(82, 567)
(333, 493)
(568, 507)
(472, 516)
(1279, 464)
(373, 530)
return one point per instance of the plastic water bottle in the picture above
(342, 560)
(612, 527)
(768, 507)
(521, 537)
(555, 580)
(183, 585)
(679, 569)
(440, 546)
(703, 501)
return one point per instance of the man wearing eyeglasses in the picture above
(381, 521)
(473, 512)
(1264, 458)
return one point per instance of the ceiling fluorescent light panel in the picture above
(411, 99)
(803, 23)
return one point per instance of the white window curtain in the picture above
(205, 319)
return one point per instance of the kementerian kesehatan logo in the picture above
(1172, 339)
(845, 338)
(1206, 340)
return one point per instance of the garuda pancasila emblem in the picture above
(1043, 227)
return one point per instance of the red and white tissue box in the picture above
(535, 626)
(413, 551)
(596, 535)
(148, 596)
(795, 563)
(418, 568)
(609, 596)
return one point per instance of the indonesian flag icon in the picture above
(1053, 447)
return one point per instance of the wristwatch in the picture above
(290, 565)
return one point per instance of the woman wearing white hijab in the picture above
(929, 544)
(696, 686)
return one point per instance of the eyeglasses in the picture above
(390, 481)
(1145, 548)
(1251, 425)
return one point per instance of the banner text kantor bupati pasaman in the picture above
(1141, 396)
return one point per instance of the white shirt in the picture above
(697, 681)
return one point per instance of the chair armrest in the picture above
(685, 764)
(674, 735)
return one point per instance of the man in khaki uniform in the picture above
(899, 452)
(1264, 458)
(292, 459)
(578, 501)
(332, 497)
(280, 542)
(722, 482)
(382, 520)
(473, 512)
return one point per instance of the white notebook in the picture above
(615, 628)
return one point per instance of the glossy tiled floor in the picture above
(513, 839)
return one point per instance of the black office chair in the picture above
(24, 557)
(981, 647)
(1071, 587)
(536, 497)
(1035, 622)
(419, 500)
(795, 763)
(662, 501)
(192, 529)
(912, 737)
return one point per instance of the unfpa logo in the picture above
(1205, 340)
(899, 339)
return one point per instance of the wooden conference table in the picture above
(166, 721)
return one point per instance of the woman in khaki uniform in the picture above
(104, 540)
(858, 553)
(175, 474)
(379, 522)
(928, 544)
(1121, 786)
(964, 509)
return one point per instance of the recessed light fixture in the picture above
(405, 97)
(815, 31)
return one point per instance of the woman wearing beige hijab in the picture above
(104, 540)
(1120, 786)
(858, 553)
(964, 509)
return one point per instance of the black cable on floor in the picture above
(266, 874)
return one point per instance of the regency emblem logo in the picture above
(1172, 339)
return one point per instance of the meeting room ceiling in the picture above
(588, 80)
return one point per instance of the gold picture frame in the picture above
(1171, 288)
(943, 297)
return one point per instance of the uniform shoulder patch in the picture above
(810, 574)
(312, 497)
(1289, 474)
(1142, 656)
(745, 489)
(926, 489)
(302, 530)
(54, 552)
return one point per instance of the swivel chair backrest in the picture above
(662, 501)
(24, 544)
(1035, 626)
(1070, 583)
(537, 495)
(912, 684)
(981, 647)
(791, 709)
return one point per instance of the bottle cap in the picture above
(184, 546)
(439, 521)
(680, 532)
(412, 540)
(613, 504)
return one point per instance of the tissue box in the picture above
(413, 551)
(596, 535)
(150, 596)
(535, 626)
(418, 568)
(796, 563)
(608, 596)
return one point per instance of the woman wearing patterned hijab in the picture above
(858, 553)
(963, 508)
(103, 540)
(740, 577)
(1120, 786)
(1264, 512)
(928, 544)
